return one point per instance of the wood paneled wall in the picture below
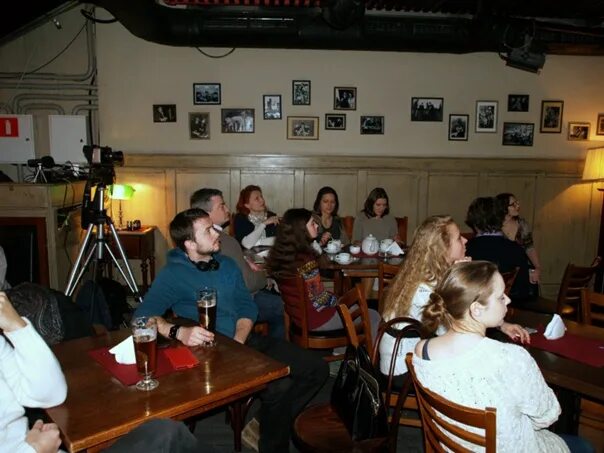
(564, 212)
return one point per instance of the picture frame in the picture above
(237, 121)
(271, 106)
(458, 127)
(207, 93)
(486, 116)
(345, 98)
(518, 134)
(372, 125)
(335, 121)
(578, 131)
(551, 117)
(600, 124)
(164, 113)
(301, 92)
(302, 127)
(518, 102)
(199, 125)
(427, 109)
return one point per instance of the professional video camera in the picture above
(102, 161)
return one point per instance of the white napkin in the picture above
(395, 249)
(555, 329)
(263, 253)
(124, 352)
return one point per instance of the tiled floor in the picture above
(214, 431)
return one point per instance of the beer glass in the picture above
(144, 333)
(206, 308)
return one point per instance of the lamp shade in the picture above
(122, 192)
(594, 165)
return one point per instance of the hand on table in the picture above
(516, 332)
(9, 318)
(44, 437)
(194, 336)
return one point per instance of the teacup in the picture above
(334, 246)
(355, 249)
(343, 258)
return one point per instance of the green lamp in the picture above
(121, 192)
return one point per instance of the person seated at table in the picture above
(270, 305)
(467, 368)
(375, 218)
(254, 223)
(326, 207)
(485, 217)
(195, 262)
(293, 255)
(437, 244)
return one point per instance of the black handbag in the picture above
(356, 396)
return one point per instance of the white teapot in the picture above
(370, 245)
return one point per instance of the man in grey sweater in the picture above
(270, 305)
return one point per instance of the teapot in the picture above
(370, 245)
(334, 246)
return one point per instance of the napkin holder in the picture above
(555, 329)
(124, 352)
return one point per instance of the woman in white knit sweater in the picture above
(466, 367)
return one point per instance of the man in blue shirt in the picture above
(196, 263)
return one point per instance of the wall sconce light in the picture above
(121, 192)
(594, 166)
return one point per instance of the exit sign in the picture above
(9, 126)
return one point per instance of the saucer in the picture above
(351, 260)
(332, 252)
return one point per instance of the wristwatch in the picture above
(173, 332)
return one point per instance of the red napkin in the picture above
(128, 375)
(580, 349)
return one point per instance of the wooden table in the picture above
(99, 409)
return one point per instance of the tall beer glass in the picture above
(144, 332)
(206, 308)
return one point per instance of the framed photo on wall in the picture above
(518, 102)
(486, 116)
(272, 106)
(551, 117)
(199, 125)
(206, 93)
(301, 92)
(303, 128)
(600, 124)
(372, 125)
(578, 131)
(164, 113)
(458, 127)
(335, 121)
(237, 121)
(427, 109)
(518, 134)
(344, 98)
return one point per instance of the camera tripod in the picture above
(99, 247)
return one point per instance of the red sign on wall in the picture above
(9, 127)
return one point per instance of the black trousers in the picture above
(283, 399)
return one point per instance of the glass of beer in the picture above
(206, 308)
(144, 333)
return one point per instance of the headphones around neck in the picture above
(205, 266)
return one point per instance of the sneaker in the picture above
(251, 434)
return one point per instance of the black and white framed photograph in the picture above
(345, 98)
(600, 124)
(578, 131)
(486, 116)
(551, 117)
(199, 125)
(302, 127)
(458, 126)
(427, 109)
(272, 106)
(206, 93)
(164, 113)
(301, 92)
(372, 125)
(335, 121)
(518, 134)
(518, 102)
(239, 121)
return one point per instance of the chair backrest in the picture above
(401, 224)
(509, 278)
(592, 307)
(437, 431)
(575, 278)
(468, 234)
(386, 272)
(348, 224)
(232, 224)
(353, 310)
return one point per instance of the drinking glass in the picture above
(206, 308)
(144, 333)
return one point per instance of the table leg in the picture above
(337, 282)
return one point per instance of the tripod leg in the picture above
(129, 278)
(73, 281)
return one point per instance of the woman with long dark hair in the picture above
(254, 223)
(330, 226)
(375, 218)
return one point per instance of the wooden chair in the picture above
(232, 225)
(348, 224)
(468, 234)
(401, 223)
(437, 430)
(568, 303)
(589, 301)
(386, 272)
(509, 278)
